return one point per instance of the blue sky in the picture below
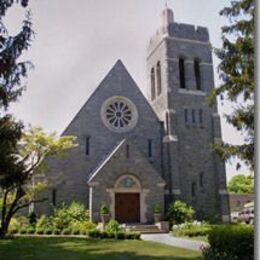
(77, 42)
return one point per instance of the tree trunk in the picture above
(4, 227)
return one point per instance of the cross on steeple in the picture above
(166, 3)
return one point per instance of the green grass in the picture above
(77, 249)
(198, 238)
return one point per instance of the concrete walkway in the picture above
(174, 241)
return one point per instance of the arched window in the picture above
(182, 73)
(152, 84)
(159, 78)
(197, 74)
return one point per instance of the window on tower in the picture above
(152, 84)
(159, 78)
(201, 116)
(182, 72)
(197, 74)
(193, 115)
(186, 117)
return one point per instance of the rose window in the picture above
(119, 114)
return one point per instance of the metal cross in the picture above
(166, 3)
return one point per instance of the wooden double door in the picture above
(127, 207)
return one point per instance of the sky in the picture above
(78, 42)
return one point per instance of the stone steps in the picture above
(145, 229)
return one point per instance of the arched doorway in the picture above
(127, 199)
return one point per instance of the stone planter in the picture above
(157, 217)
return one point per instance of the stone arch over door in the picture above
(128, 185)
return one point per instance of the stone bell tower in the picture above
(180, 69)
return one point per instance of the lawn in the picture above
(70, 248)
(196, 238)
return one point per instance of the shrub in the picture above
(113, 226)
(14, 226)
(23, 221)
(104, 234)
(83, 226)
(30, 230)
(191, 229)
(23, 230)
(43, 223)
(76, 211)
(48, 231)
(56, 231)
(64, 216)
(179, 212)
(95, 233)
(66, 231)
(212, 218)
(157, 209)
(104, 209)
(32, 218)
(120, 235)
(230, 242)
(76, 231)
(40, 231)
(132, 235)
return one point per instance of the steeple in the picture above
(167, 16)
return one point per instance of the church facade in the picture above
(136, 152)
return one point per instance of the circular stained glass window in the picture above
(119, 114)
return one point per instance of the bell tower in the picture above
(180, 76)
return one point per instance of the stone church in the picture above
(136, 152)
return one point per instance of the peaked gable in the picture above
(118, 81)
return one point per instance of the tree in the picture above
(12, 72)
(241, 184)
(30, 155)
(236, 70)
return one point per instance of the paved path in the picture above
(174, 241)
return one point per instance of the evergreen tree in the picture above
(236, 71)
(11, 73)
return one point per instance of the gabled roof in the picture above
(105, 160)
(142, 161)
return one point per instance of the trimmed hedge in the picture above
(230, 242)
(115, 235)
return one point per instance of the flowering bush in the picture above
(191, 229)
(179, 212)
